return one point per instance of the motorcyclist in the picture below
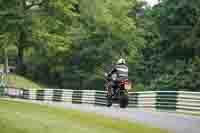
(121, 72)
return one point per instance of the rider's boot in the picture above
(109, 96)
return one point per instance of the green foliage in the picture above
(179, 27)
(75, 55)
(71, 43)
(139, 87)
(169, 60)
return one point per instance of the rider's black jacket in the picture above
(121, 70)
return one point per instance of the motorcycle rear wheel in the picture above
(123, 100)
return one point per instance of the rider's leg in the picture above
(109, 88)
(114, 86)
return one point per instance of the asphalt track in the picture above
(174, 123)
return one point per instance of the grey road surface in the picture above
(174, 123)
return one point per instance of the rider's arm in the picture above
(111, 72)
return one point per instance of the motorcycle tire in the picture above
(123, 101)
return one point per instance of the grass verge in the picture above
(16, 117)
(21, 82)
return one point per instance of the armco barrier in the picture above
(1, 91)
(180, 101)
(13, 92)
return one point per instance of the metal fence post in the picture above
(2, 83)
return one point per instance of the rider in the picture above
(121, 71)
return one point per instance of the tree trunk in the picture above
(20, 61)
(20, 56)
(81, 83)
(5, 61)
(21, 42)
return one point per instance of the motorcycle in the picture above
(118, 93)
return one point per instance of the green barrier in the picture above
(77, 97)
(40, 95)
(2, 83)
(166, 100)
(1, 90)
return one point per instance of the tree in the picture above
(103, 33)
(16, 21)
(171, 48)
(179, 27)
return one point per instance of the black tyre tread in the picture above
(123, 101)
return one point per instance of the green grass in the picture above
(21, 82)
(1, 66)
(16, 117)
